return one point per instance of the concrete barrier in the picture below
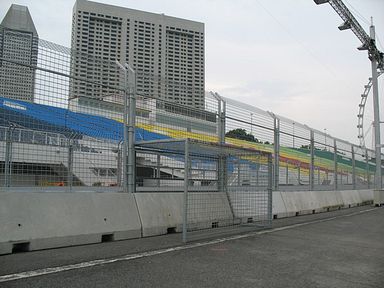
(163, 212)
(33, 221)
(293, 203)
(160, 212)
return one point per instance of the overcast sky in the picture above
(279, 55)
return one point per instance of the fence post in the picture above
(299, 172)
(286, 174)
(238, 173)
(129, 154)
(276, 146)
(221, 104)
(119, 164)
(367, 168)
(219, 123)
(158, 174)
(70, 164)
(8, 158)
(186, 181)
(270, 187)
(125, 128)
(335, 184)
(222, 118)
(131, 134)
(312, 162)
(353, 167)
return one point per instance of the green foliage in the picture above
(241, 134)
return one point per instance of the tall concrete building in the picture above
(166, 52)
(19, 43)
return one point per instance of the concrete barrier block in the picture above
(48, 220)
(378, 197)
(53, 242)
(5, 248)
(162, 211)
(278, 205)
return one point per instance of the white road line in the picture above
(46, 271)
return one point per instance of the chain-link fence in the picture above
(50, 142)
(304, 158)
(87, 123)
(70, 135)
(223, 185)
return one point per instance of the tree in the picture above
(241, 134)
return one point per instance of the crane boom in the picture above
(377, 64)
(350, 22)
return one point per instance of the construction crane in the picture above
(377, 63)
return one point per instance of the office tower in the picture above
(167, 53)
(18, 43)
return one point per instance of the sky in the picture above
(283, 56)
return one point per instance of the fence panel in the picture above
(69, 135)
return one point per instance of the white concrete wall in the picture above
(47, 220)
(160, 211)
(291, 203)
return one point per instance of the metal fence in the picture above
(223, 185)
(97, 125)
(73, 135)
(304, 158)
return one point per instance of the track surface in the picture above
(338, 249)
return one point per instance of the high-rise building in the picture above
(18, 43)
(167, 53)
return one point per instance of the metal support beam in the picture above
(299, 174)
(221, 115)
(129, 121)
(377, 63)
(270, 188)
(119, 164)
(8, 157)
(158, 174)
(185, 196)
(376, 116)
(286, 174)
(131, 161)
(312, 161)
(367, 169)
(276, 147)
(70, 165)
(335, 184)
(353, 167)
(219, 122)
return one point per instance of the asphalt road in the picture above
(339, 249)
